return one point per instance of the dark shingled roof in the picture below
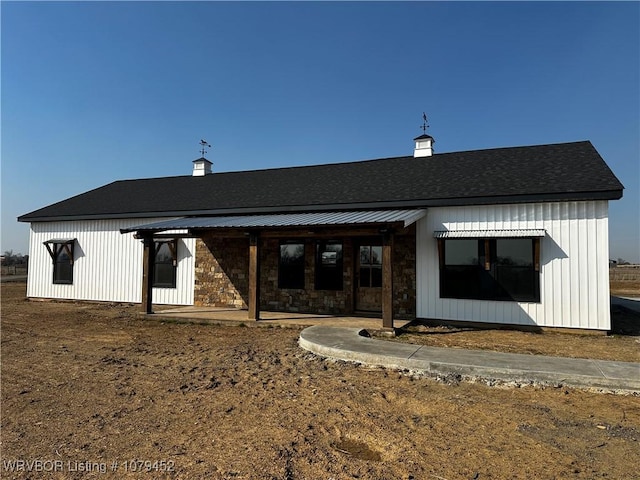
(567, 171)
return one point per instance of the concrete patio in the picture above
(351, 345)
(234, 316)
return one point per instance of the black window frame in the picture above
(160, 265)
(329, 275)
(62, 256)
(63, 264)
(291, 273)
(488, 276)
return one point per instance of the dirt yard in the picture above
(88, 389)
(623, 344)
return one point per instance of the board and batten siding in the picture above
(107, 265)
(574, 263)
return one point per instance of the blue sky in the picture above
(94, 92)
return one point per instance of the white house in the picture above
(515, 236)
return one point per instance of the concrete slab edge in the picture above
(189, 320)
(488, 375)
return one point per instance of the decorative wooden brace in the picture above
(173, 248)
(59, 246)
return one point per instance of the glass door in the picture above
(369, 278)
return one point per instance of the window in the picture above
(61, 252)
(370, 266)
(514, 269)
(291, 265)
(490, 269)
(165, 265)
(63, 267)
(329, 265)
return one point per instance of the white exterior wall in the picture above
(574, 263)
(107, 265)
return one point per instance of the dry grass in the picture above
(624, 348)
(625, 288)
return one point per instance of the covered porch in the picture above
(295, 267)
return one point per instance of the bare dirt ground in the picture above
(93, 387)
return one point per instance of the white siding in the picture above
(574, 257)
(107, 266)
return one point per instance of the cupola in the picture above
(424, 146)
(201, 167)
(424, 143)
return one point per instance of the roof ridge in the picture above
(291, 167)
(537, 145)
(351, 162)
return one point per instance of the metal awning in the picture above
(519, 233)
(311, 219)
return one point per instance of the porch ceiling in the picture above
(310, 219)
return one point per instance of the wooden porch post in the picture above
(147, 274)
(254, 277)
(387, 280)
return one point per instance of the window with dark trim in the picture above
(370, 266)
(165, 265)
(61, 252)
(291, 265)
(490, 268)
(329, 265)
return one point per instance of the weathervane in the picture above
(425, 125)
(204, 145)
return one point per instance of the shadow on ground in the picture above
(624, 321)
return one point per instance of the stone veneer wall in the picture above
(404, 275)
(222, 279)
(222, 272)
(308, 300)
